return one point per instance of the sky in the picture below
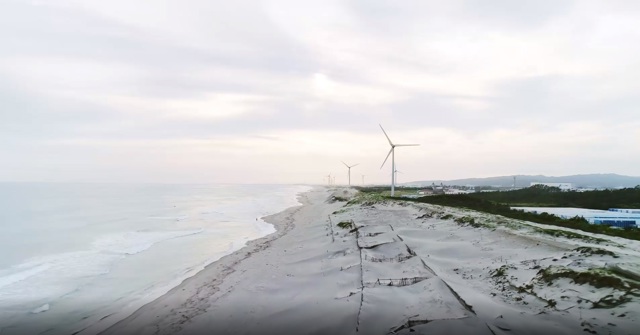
(282, 91)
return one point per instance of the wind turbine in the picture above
(349, 167)
(362, 180)
(329, 179)
(393, 159)
(396, 172)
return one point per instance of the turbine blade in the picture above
(385, 134)
(354, 165)
(407, 145)
(345, 164)
(385, 160)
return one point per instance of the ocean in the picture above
(76, 258)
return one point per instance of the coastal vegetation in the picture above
(598, 278)
(500, 203)
(546, 196)
(346, 225)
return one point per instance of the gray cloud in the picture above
(82, 80)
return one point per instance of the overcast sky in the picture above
(282, 91)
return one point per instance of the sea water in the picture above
(76, 258)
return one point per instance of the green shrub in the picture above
(346, 225)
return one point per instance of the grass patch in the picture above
(526, 289)
(598, 278)
(568, 234)
(500, 272)
(551, 303)
(589, 251)
(610, 301)
(468, 221)
(346, 225)
(367, 199)
(340, 211)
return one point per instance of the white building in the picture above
(456, 191)
(561, 186)
(626, 210)
(613, 217)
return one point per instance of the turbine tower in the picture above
(349, 167)
(393, 159)
(362, 180)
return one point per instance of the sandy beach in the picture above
(385, 267)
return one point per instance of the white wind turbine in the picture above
(349, 167)
(397, 171)
(392, 152)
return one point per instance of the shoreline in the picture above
(218, 269)
(395, 267)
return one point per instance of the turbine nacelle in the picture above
(347, 165)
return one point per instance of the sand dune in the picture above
(397, 268)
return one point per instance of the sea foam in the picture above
(108, 249)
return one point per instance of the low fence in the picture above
(399, 281)
(398, 258)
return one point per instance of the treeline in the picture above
(546, 196)
(473, 202)
(381, 189)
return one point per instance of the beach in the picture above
(380, 267)
(77, 258)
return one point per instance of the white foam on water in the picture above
(131, 243)
(41, 309)
(53, 276)
(226, 215)
(22, 275)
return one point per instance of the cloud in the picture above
(190, 90)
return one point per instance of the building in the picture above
(456, 191)
(613, 217)
(625, 210)
(561, 186)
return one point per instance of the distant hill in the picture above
(609, 180)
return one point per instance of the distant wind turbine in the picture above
(393, 159)
(329, 179)
(349, 167)
(396, 172)
(362, 180)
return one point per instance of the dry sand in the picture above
(406, 269)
